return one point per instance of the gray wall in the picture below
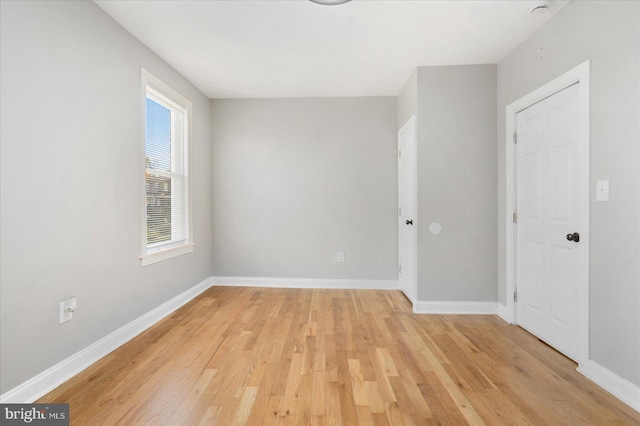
(408, 100)
(297, 180)
(71, 153)
(607, 33)
(457, 183)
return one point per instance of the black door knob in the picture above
(575, 237)
(409, 222)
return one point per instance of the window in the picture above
(167, 214)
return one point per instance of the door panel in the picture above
(560, 204)
(532, 187)
(532, 262)
(559, 279)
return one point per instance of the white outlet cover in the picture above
(602, 190)
(64, 315)
(340, 257)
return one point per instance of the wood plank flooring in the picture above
(260, 356)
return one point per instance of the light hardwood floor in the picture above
(260, 356)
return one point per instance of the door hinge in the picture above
(515, 216)
(399, 269)
(515, 296)
(399, 154)
(515, 137)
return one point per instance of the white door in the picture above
(551, 217)
(407, 210)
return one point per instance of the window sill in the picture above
(168, 253)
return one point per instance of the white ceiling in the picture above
(295, 48)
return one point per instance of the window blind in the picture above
(165, 177)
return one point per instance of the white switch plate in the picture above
(602, 190)
(340, 257)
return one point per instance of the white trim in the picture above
(504, 313)
(53, 377)
(174, 98)
(579, 74)
(622, 389)
(168, 253)
(304, 283)
(163, 89)
(457, 308)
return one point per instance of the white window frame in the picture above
(157, 252)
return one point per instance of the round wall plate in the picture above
(435, 228)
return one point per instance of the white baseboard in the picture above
(53, 377)
(622, 389)
(305, 283)
(504, 313)
(459, 308)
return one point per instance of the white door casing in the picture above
(550, 254)
(407, 210)
(580, 275)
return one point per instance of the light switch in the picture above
(340, 257)
(602, 190)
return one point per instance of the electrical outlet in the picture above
(340, 257)
(602, 190)
(64, 315)
(67, 308)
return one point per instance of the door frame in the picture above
(579, 74)
(414, 178)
